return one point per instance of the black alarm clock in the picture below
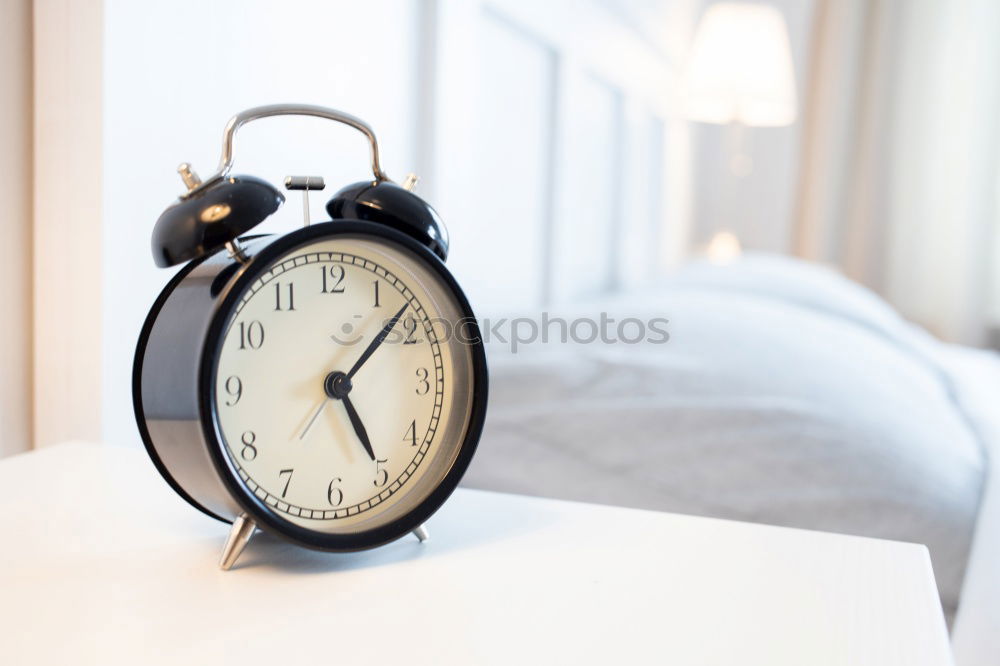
(327, 385)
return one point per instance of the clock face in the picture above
(343, 388)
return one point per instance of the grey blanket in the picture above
(786, 395)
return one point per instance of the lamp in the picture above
(740, 74)
(741, 67)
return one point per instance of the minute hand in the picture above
(379, 339)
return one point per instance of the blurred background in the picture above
(574, 149)
(581, 153)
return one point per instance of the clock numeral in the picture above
(336, 276)
(377, 304)
(249, 451)
(423, 384)
(410, 326)
(381, 475)
(288, 480)
(234, 387)
(251, 335)
(277, 297)
(332, 492)
(411, 433)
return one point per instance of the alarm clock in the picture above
(327, 385)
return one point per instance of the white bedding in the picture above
(786, 395)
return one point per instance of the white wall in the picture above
(563, 148)
(549, 137)
(68, 223)
(15, 225)
(170, 85)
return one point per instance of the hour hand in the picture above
(359, 427)
(337, 385)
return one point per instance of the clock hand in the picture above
(329, 390)
(319, 410)
(379, 339)
(337, 385)
(359, 427)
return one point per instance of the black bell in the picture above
(388, 203)
(210, 217)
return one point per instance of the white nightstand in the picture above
(101, 563)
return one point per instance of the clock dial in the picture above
(341, 387)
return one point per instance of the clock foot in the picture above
(421, 533)
(239, 536)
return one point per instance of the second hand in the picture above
(333, 393)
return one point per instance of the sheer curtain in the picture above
(900, 156)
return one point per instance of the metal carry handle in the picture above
(244, 117)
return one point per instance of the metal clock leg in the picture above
(421, 533)
(239, 536)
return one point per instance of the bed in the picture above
(786, 395)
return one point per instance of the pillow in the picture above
(793, 281)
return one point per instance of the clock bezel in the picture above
(258, 510)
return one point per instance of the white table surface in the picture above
(101, 563)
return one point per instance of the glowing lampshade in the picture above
(741, 67)
(724, 248)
